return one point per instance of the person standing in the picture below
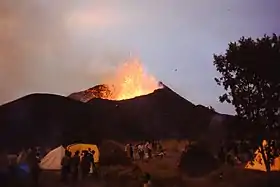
(33, 164)
(150, 147)
(75, 163)
(146, 150)
(85, 164)
(22, 156)
(65, 166)
(146, 180)
(126, 149)
(141, 151)
(91, 161)
(131, 152)
(4, 168)
(135, 152)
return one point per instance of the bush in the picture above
(197, 162)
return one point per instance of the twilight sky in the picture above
(63, 46)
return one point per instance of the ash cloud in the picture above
(41, 52)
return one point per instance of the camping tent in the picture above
(258, 163)
(80, 147)
(52, 161)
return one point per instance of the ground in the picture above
(165, 174)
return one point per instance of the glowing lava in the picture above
(131, 81)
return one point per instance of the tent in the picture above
(80, 147)
(52, 161)
(258, 163)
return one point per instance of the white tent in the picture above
(52, 161)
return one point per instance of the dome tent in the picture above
(81, 147)
(258, 163)
(52, 161)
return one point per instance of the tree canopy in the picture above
(211, 108)
(250, 75)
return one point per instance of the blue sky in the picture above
(65, 46)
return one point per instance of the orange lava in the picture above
(131, 81)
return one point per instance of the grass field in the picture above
(164, 173)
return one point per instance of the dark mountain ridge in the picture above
(158, 114)
(42, 119)
(45, 119)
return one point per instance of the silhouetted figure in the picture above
(154, 146)
(33, 163)
(130, 151)
(94, 167)
(146, 179)
(75, 163)
(161, 154)
(149, 146)
(126, 149)
(141, 151)
(22, 156)
(221, 154)
(65, 166)
(161, 151)
(146, 150)
(135, 152)
(4, 168)
(159, 147)
(85, 164)
(90, 158)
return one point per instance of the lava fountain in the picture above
(131, 80)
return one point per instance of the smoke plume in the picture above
(46, 44)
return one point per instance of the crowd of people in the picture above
(75, 166)
(25, 166)
(144, 151)
(18, 167)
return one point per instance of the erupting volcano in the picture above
(130, 80)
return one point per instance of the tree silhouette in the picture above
(250, 76)
(211, 108)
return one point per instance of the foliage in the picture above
(250, 77)
(211, 108)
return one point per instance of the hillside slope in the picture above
(157, 115)
(45, 119)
